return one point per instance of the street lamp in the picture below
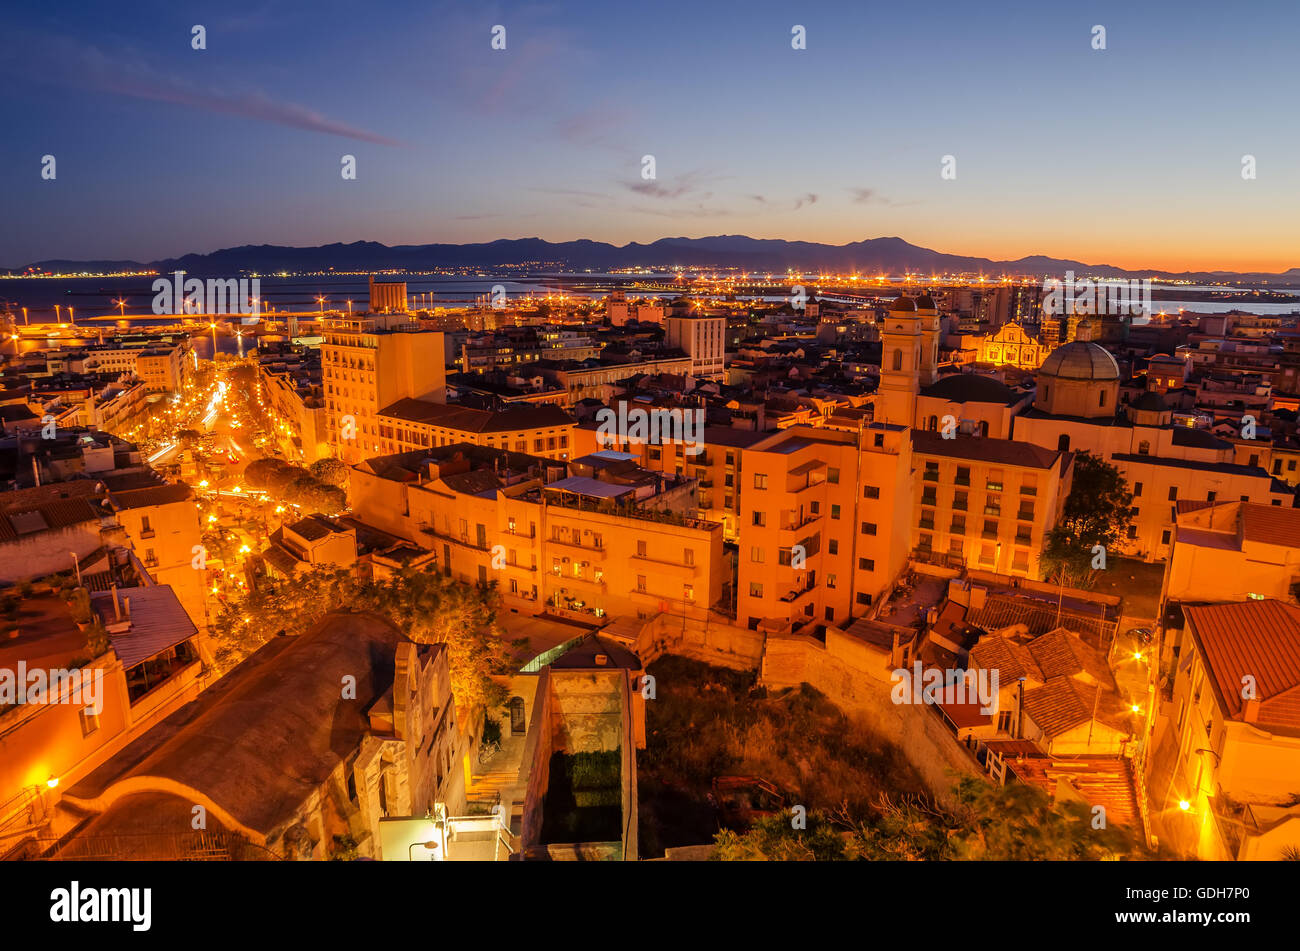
(121, 307)
(430, 845)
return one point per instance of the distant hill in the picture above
(873, 256)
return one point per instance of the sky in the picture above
(1131, 155)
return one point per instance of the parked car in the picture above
(1143, 634)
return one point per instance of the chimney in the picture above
(126, 608)
(1250, 711)
(117, 605)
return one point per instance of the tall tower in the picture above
(928, 315)
(900, 364)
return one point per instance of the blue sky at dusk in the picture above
(1129, 156)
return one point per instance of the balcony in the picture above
(791, 525)
(1024, 539)
(961, 506)
(1025, 515)
(927, 523)
(931, 476)
(570, 543)
(995, 510)
(1028, 490)
(962, 480)
(808, 585)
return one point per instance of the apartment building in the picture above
(717, 466)
(593, 379)
(703, 338)
(824, 531)
(151, 670)
(597, 537)
(293, 394)
(370, 363)
(985, 503)
(1236, 731)
(1233, 551)
(541, 430)
(161, 521)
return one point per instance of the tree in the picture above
(329, 470)
(427, 607)
(1097, 512)
(774, 839)
(1016, 822)
(261, 473)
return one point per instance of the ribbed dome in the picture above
(925, 302)
(902, 304)
(1081, 360)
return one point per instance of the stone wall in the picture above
(709, 638)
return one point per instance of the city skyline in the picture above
(164, 150)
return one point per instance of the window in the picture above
(830, 581)
(878, 441)
(760, 480)
(640, 549)
(835, 512)
(688, 592)
(833, 476)
(1132, 531)
(868, 528)
(755, 589)
(1137, 489)
(756, 555)
(867, 564)
(517, 724)
(1211, 495)
(963, 475)
(898, 359)
(833, 546)
(1173, 493)
(864, 598)
(1164, 537)
(871, 491)
(760, 519)
(931, 472)
(1101, 401)
(1144, 448)
(89, 722)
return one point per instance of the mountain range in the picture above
(892, 256)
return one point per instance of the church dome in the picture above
(1081, 360)
(925, 302)
(903, 303)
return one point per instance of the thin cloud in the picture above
(89, 67)
(808, 199)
